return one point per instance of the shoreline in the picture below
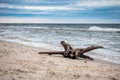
(95, 59)
(106, 62)
(21, 62)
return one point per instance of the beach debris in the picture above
(73, 53)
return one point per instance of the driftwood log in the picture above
(73, 53)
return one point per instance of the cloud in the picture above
(21, 20)
(77, 5)
(43, 8)
(68, 9)
(23, 12)
(54, 20)
(98, 3)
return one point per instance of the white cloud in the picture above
(77, 5)
(98, 3)
(24, 12)
(21, 20)
(69, 8)
(54, 20)
(44, 8)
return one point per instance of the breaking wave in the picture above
(96, 28)
(36, 27)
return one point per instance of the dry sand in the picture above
(20, 62)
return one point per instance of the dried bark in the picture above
(73, 53)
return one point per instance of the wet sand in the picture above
(21, 62)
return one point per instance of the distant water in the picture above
(78, 35)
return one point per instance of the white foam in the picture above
(35, 27)
(96, 28)
(35, 44)
(49, 41)
(105, 54)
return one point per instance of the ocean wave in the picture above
(106, 54)
(34, 44)
(54, 28)
(96, 28)
(36, 27)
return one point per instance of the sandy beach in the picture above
(21, 62)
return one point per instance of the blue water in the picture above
(78, 35)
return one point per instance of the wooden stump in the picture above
(73, 53)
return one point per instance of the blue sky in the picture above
(60, 11)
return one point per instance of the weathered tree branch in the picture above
(50, 53)
(89, 49)
(73, 53)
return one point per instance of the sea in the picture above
(49, 36)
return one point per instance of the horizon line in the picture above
(59, 23)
